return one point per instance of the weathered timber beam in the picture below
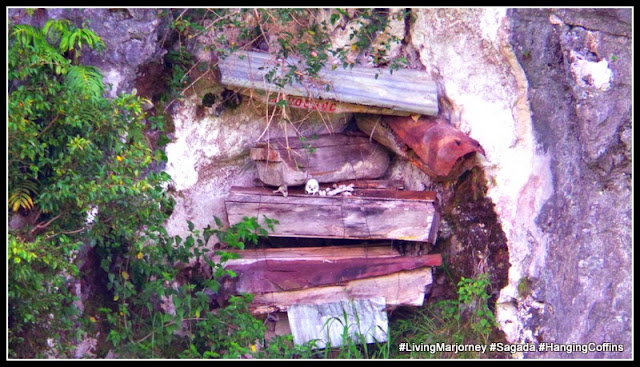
(311, 253)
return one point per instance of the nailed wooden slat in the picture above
(250, 256)
(249, 193)
(374, 184)
(405, 288)
(403, 91)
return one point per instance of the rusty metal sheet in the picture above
(358, 89)
(445, 150)
(431, 143)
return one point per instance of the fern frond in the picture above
(21, 196)
(73, 38)
(86, 80)
(54, 29)
(27, 35)
(34, 39)
(30, 186)
(93, 40)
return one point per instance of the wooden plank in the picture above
(319, 141)
(326, 323)
(387, 219)
(375, 90)
(325, 218)
(276, 275)
(405, 288)
(264, 154)
(311, 253)
(238, 193)
(367, 214)
(374, 184)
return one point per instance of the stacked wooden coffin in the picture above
(314, 284)
(329, 187)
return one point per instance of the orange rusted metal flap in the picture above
(446, 151)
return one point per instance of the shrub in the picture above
(71, 151)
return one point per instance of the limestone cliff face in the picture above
(578, 65)
(547, 93)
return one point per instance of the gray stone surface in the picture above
(133, 38)
(585, 126)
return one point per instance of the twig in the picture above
(264, 35)
(45, 225)
(217, 20)
(66, 232)
(170, 323)
(48, 126)
(181, 14)
(187, 73)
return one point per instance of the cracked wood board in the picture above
(367, 214)
(327, 253)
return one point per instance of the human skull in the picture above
(312, 187)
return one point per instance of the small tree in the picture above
(71, 151)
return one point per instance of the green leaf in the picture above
(282, 103)
(85, 80)
(334, 17)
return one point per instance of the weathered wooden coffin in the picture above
(326, 158)
(405, 288)
(281, 278)
(358, 89)
(277, 275)
(367, 214)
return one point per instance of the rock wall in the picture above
(133, 38)
(209, 155)
(578, 65)
(484, 93)
(547, 94)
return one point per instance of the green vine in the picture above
(301, 33)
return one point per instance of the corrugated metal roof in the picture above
(327, 324)
(403, 90)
